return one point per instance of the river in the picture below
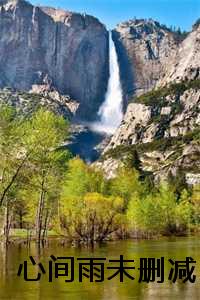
(13, 287)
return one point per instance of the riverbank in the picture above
(24, 236)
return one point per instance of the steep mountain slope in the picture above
(166, 112)
(185, 64)
(160, 132)
(67, 50)
(47, 54)
(144, 48)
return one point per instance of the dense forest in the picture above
(44, 191)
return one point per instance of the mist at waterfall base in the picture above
(110, 114)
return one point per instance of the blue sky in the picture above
(181, 13)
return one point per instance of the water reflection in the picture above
(13, 287)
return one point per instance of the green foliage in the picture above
(184, 211)
(30, 163)
(11, 145)
(157, 97)
(42, 188)
(126, 184)
(86, 193)
(161, 144)
(160, 213)
(81, 179)
(195, 200)
(144, 214)
(94, 219)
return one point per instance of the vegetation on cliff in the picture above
(158, 96)
(162, 128)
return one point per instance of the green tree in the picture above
(12, 158)
(81, 179)
(126, 184)
(145, 215)
(45, 134)
(183, 212)
(95, 219)
(195, 200)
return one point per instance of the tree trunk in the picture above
(7, 222)
(45, 225)
(40, 214)
(20, 219)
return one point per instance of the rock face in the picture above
(142, 123)
(144, 47)
(28, 102)
(48, 92)
(49, 57)
(185, 64)
(161, 126)
(137, 115)
(47, 46)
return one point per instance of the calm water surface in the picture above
(14, 288)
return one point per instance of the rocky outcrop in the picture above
(174, 116)
(185, 64)
(48, 92)
(26, 103)
(144, 48)
(137, 115)
(109, 166)
(47, 46)
(161, 158)
(193, 179)
(163, 128)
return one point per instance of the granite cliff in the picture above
(185, 63)
(144, 48)
(27, 103)
(46, 46)
(160, 132)
(50, 56)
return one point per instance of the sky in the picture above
(179, 13)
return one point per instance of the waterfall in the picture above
(111, 111)
(33, 15)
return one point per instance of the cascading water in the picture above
(111, 111)
(110, 114)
